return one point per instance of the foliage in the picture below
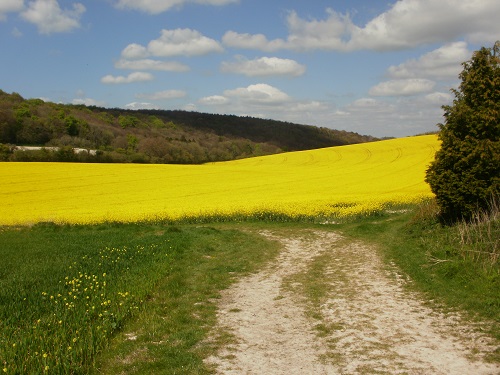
(128, 121)
(338, 182)
(5, 152)
(162, 136)
(466, 172)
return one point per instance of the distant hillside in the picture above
(148, 136)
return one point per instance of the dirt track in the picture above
(371, 324)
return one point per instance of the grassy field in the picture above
(66, 292)
(331, 182)
(142, 298)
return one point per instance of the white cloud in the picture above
(370, 116)
(178, 42)
(213, 100)
(159, 6)
(303, 34)
(440, 98)
(311, 106)
(249, 41)
(132, 77)
(340, 112)
(48, 16)
(403, 87)
(7, 6)
(414, 22)
(261, 93)
(365, 103)
(442, 63)
(190, 107)
(183, 42)
(163, 95)
(149, 6)
(134, 51)
(253, 95)
(264, 66)
(372, 111)
(137, 105)
(149, 64)
(408, 23)
(329, 34)
(394, 117)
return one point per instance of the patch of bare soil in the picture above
(375, 326)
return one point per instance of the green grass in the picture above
(142, 298)
(68, 292)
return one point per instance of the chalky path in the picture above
(376, 326)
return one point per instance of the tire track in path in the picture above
(375, 326)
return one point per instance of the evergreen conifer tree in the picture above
(465, 175)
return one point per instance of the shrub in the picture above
(5, 152)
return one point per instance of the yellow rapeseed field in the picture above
(329, 182)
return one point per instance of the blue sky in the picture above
(382, 68)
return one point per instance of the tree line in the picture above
(148, 136)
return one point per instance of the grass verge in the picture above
(145, 293)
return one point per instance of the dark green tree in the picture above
(465, 174)
(72, 125)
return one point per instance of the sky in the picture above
(381, 68)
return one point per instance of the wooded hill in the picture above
(148, 136)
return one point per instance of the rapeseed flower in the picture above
(338, 181)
